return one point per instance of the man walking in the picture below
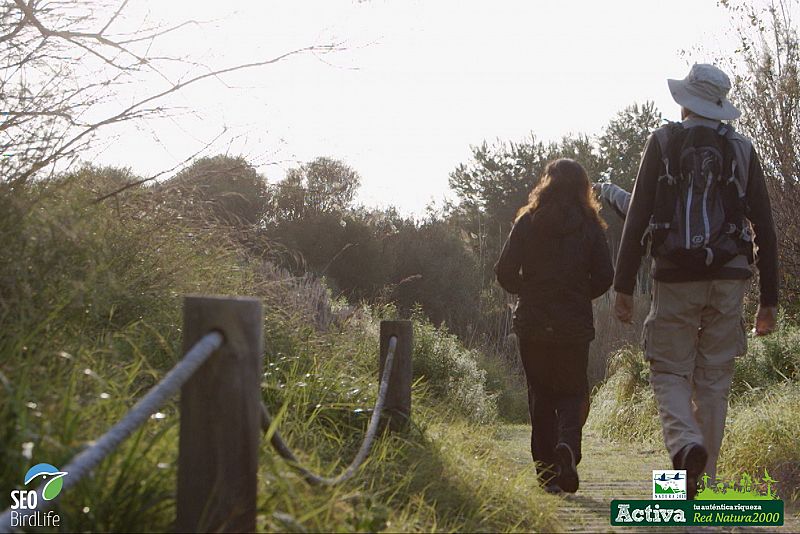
(700, 207)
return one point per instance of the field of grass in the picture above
(90, 298)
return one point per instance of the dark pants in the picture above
(558, 398)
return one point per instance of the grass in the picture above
(624, 407)
(770, 360)
(470, 485)
(90, 299)
(764, 434)
(612, 335)
(452, 370)
(443, 475)
(506, 383)
(762, 431)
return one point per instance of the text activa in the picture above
(654, 514)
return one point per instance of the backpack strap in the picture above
(663, 136)
(666, 181)
(742, 151)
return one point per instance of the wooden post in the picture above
(398, 397)
(220, 418)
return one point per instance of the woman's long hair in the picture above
(564, 184)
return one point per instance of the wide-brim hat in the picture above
(705, 92)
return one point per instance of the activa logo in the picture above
(27, 500)
(649, 514)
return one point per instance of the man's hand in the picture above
(766, 317)
(623, 307)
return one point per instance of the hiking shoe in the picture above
(692, 458)
(553, 488)
(568, 472)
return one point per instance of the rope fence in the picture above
(223, 417)
(286, 453)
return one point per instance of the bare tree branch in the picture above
(160, 174)
(113, 17)
(126, 113)
(17, 27)
(159, 33)
(61, 78)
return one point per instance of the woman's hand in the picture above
(623, 307)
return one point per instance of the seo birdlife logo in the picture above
(24, 502)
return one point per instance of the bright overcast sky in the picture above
(419, 82)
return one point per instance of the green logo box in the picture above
(712, 513)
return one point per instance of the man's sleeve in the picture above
(760, 214)
(640, 210)
(616, 197)
(508, 266)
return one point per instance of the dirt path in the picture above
(610, 471)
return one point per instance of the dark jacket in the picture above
(759, 211)
(556, 270)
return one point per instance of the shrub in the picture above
(229, 187)
(770, 360)
(90, 308)
(450, 370)
(624, 406)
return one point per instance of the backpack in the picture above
(699, 219)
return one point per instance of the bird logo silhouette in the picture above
(49, 475)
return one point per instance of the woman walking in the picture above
(556, 260)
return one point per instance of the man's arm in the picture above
(760, 214)
(640, 210)
(616, 197)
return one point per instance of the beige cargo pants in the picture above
(691, 337)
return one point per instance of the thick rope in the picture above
(313, 478)
(87, 460)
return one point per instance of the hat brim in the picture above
(701, 106)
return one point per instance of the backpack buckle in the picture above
(647, 236)
(667, 176)
(747, 234)
(709, 256)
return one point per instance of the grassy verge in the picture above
(90, 306)
(765, 434)
(623, 407)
